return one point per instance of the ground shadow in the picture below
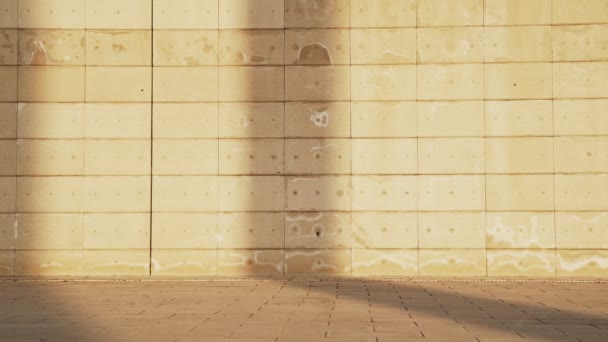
(467, 309)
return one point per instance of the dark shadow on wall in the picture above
(293, 149)
(251, 131)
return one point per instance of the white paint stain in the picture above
(157, 267)
(304, 217)
(578, 264)
(447, 260)
(593, 221)
(311, 179)
(320, 119)
(155, 264)
(406, 261)
(51, 264)
(242, 260)
(16, 229)
(318, 263)
(524, 261)
(121, 263)
(322, 147)
(503, 233)
(393, 53)
(243, 121)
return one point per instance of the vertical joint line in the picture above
(553, 141)
(217, 178)
(151, 131)
(284, 144)
(417, 147)
(84, 138)
(485, 173)
(17, 156)
(350, 129)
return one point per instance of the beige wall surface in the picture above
(272, 137)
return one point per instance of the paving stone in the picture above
(281, 310)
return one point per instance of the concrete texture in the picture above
(273, 137)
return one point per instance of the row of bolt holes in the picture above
(295, 156)
(94, 194)
(74, 11)
(318, 156)
(93, 157)
(163, 12)
(339, 193)
(206, 12)
(51, 11)
(274, 157)
(318, 232)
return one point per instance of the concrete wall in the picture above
(270, 137)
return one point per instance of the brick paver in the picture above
(332, 310)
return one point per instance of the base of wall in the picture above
(303, 278)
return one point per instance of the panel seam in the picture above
(17, 106)
(553, 141)
(151, 133)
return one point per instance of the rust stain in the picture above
(257, 59)
(118, 48)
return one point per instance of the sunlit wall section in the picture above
(580, 75)
(185, 147)
(117, 137)
(451, 158)
(519, 159)
(384, 138)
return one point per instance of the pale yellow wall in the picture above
(269, 137)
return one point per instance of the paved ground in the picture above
(302, 310)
